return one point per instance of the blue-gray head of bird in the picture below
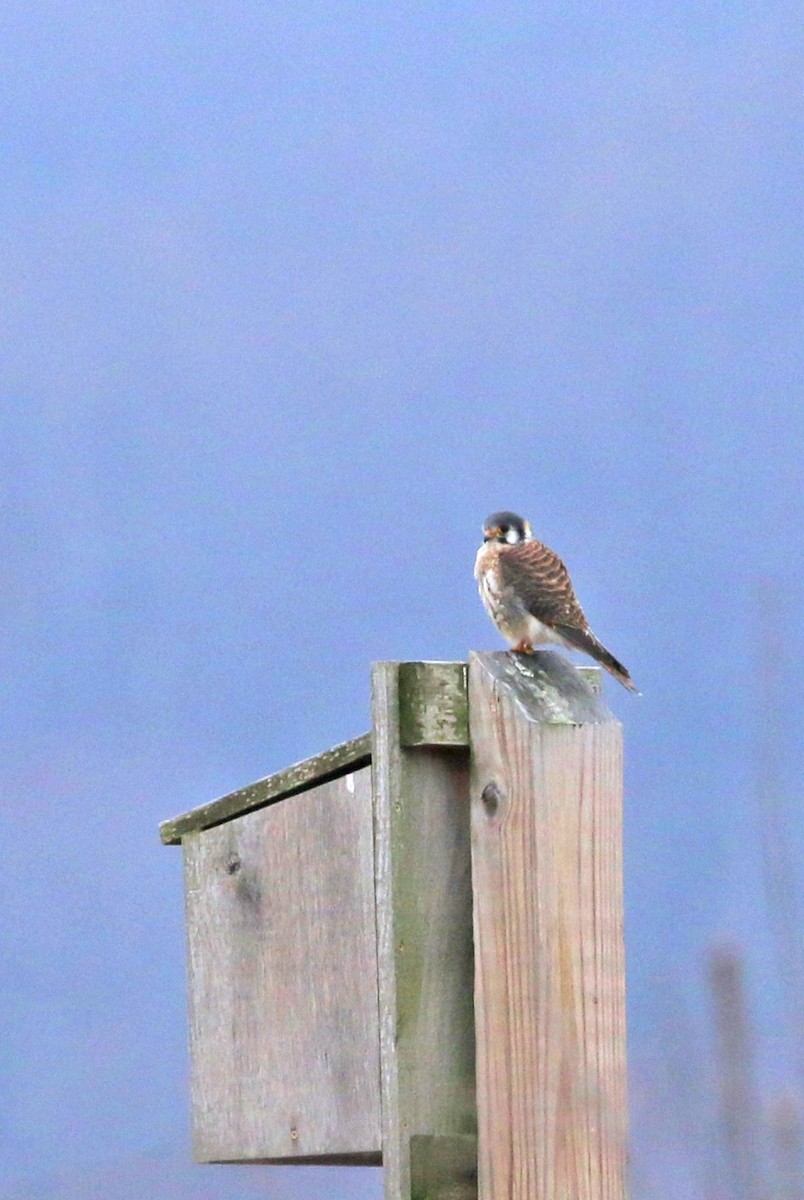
(506, 527)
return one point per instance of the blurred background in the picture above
(293, 295)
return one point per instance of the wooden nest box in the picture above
(408, 950)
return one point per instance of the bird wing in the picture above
(541, 581)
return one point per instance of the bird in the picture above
(529, 596)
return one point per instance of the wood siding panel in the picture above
(284, 1030)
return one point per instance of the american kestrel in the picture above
(528, 594)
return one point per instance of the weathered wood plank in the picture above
(283, 980)
(348, 756)
(549, 980)
(433, 708)
(423, 880)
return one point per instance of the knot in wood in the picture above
(233, 864)
(491, 797)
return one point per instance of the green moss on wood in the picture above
(433, 705)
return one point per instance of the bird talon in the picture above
(523, 647)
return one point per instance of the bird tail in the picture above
(584, 639)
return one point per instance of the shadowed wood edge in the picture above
(372, 1159)
(443, 1168)
(339, 760)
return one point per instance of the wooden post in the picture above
(546, 787)
(336, 991)
(420, 768)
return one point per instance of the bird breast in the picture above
(490, 584)
(504, 606)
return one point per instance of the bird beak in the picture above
(490, 534)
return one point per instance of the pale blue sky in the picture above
(289, 301)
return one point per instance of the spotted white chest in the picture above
(504, 606)
(489, 579)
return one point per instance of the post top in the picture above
(547, 688)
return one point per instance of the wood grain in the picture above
(284, 1033)
(339, 760)
(424, 907)
(549, 981)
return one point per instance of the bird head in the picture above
(506, 527)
